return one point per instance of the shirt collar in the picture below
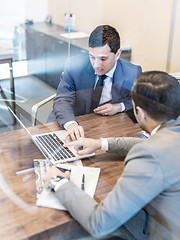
(111, 72)
(155, 130)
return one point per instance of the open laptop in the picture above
(51, 145)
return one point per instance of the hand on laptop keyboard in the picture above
(74, 131)
(85, 145)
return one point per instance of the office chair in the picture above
(35, 108)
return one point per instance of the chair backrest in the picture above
(37, 106)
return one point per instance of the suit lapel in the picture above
(90, 76)
(118, 75)
(117, 81)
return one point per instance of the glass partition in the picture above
(39, 38)
(42, 38)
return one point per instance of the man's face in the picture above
(102, 59)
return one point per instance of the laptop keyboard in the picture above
(54, 147)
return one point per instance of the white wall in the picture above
(144, 25)
(11, 14)
(36, 9)
(89, 14)
(175, 53)
(14, 12)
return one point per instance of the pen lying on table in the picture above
(28, 170)
(83, 182)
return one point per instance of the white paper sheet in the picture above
(47, 198)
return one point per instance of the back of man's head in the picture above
(158, 94)
(105, 34)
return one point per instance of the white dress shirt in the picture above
(106, 94)
(104, 141)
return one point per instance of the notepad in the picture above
(47, 199)
(91, 178)
(41, 166)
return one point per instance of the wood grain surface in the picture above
(20, 218)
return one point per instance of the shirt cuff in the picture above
(69, 123)
(60, 183)
(122, 107)
(104, 144)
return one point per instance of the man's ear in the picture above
(118, 53)
(141, 113)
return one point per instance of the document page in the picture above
(81, 176)
(91, 178)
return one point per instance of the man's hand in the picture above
(85, 145)
(54, 171)
(74, 131)
(108, 109)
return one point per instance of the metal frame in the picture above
(12, 90)
(36, 107)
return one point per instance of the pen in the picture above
(83, 181)
(28, 170)
(63, 169)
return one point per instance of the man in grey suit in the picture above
(151, 176)
(97, 82)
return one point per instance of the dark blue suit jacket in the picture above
(75, 88)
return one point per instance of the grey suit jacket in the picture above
(75, 89)
(150, 180)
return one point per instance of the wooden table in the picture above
(20, 218)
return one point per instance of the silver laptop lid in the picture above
(25, 128)
(45, 150)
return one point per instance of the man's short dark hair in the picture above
(105, 34)
(158, 93)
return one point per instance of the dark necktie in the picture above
(100, 80)
(96, 93)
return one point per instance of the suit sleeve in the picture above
(127, 100)
(65, 99)
(122, 145)
(140, 182)
(123, 80)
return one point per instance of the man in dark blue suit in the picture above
(99, 82)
